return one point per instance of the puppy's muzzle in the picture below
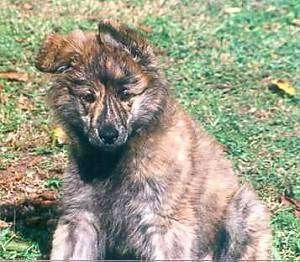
(108, 134)
(111, 135)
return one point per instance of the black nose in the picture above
(108, 133)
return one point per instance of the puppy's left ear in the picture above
(116, 34)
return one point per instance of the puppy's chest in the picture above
(133, 209)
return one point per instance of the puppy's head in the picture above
(106, 86)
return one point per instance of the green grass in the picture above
(14, 246)
(219, 65)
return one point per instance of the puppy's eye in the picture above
(62, 68)
(79, 81)
(89, 97)
(123, 94)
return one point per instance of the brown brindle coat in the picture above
(144, 179)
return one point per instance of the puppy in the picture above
(144, 179)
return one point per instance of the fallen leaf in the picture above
(49, 195)
(4, 224)
(14, 76)
(296, 22)
(283, 86)
(225, 87)
(288, 201)
(28, 6)
(232, 10)
(21, 40)
(59, 136)
(3, 97)
(48, 203)
(145, 28)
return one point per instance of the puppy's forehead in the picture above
(102, 60)
(113, 67)
(115, 63)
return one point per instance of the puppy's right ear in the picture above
(48, 55)
(60, 53)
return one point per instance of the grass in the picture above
(219, 62)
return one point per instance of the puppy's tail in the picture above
(245, 235)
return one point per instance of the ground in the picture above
(222, 59)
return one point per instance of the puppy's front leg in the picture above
(78, 238)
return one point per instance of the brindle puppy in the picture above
(144, 178)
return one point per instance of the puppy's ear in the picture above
(116, 34)
(58, 53)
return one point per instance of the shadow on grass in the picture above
(33, 221)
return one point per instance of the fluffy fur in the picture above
(144, 179)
